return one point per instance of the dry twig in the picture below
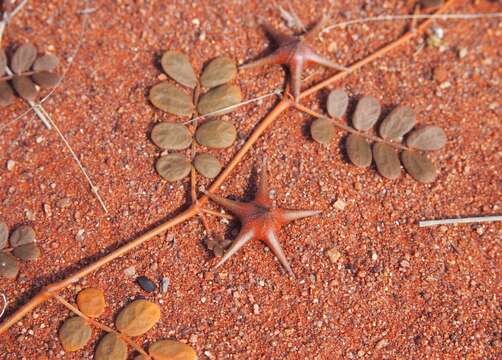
(4, 306)
(468, 220)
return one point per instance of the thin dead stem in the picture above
(17, 9)
(412, 17)
(284, 104)
(261, 97)
(101, 326)
(468, 220)
(94, 189)
(4, 306)
(351, 130)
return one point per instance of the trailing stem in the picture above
(283, 105)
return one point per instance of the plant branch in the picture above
(283, 105)
(351, 130)
(101, 326)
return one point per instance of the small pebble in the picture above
(30, 216)
(405, 264)
(462, 53)
(47, 209)
(10, 165)
(340, 204)
(381, 344)
(164, 285)
(80, 235)
(64, 202)
(130, 271)
(441, 74)
(146, 284)
(333, 255)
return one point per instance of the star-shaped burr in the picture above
(260, 220)
(295, 54)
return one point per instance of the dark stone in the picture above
(146, 284)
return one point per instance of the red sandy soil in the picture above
(398, 291)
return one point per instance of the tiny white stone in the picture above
(10, 164)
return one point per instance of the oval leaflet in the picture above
(216, 134)
(137, 318)
(217, 100)
(337, 103)
(9, 267)
(91, 302)
(22, 235)
(171, 350)
(178, 67)
(387, 160)
(322, 130)
(171, 136)
(219, 71)
(27, 252)
(74, 334)
(25, 87)
(169, 98)
(400, 121)
(173, 167)
(23, 58)
(359, 150)
(207, 165)
(419, 166)
(111, 347)
(427, 138)
(367, 113)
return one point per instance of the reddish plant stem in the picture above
(193, 210)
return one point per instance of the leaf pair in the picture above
(172, 136)
(398, 124)
(216, 75)
(28, 70)
(23, 246)
(134, 320)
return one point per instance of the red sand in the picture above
(398, 291)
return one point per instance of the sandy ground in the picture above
(397, 291)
